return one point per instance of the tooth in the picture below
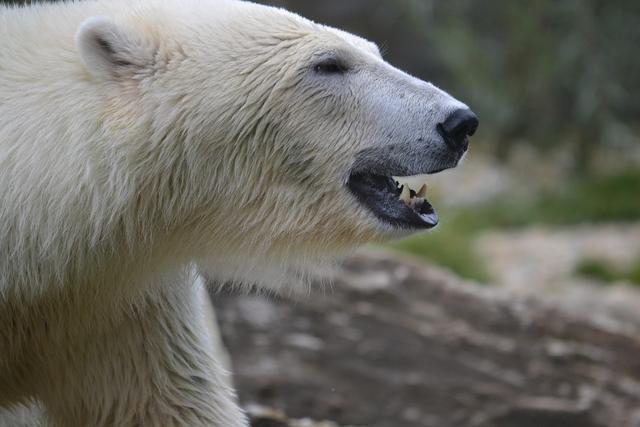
(422, 193)
(406, 195)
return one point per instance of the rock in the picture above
(266, 417)
(543, 261)
(400, 344)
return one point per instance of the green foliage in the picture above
(545, 71)
(598, 270)
(597, 199)
(634, 273)
(604, 272)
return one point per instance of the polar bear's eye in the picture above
(330, 66)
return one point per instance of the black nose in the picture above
(458, 127)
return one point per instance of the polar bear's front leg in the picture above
(155, 369)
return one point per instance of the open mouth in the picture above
(372, 179)
(394, 203)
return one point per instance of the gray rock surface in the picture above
(543, 260)
(395, 343)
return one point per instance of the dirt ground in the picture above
(398, 344)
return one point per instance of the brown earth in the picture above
(395, 343)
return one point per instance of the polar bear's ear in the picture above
(107, 49)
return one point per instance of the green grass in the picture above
(611, 198)
(603, 271)
(450, 246)
(614, 198)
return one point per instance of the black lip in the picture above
(380, 195)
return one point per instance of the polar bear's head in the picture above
(284, 135)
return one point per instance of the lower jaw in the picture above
(398, 208)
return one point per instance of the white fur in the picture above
(139, 140)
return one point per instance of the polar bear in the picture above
(145, 145)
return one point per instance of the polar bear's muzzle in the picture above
(374, 178)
